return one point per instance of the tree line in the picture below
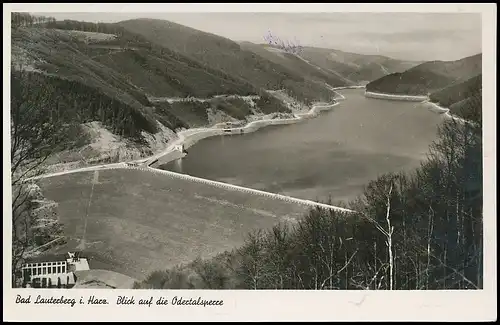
(34, 136)
(24, 19)
(64, 102)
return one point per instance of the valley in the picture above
(162, 149)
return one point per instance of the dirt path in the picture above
(83, 244)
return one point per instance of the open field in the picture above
(103, 279)
(141, 222)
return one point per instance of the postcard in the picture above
(249, 162)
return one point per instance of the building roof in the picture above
(51, 257)
(46, 258)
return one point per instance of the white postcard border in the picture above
(264, 304)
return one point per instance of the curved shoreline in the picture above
(422, 99)
(188, 138)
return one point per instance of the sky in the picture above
(407, 36)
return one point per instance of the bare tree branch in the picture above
(339, 271)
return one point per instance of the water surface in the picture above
(334, 155)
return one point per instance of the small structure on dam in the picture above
(181, 148)
(178, 151)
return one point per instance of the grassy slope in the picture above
(181, 220)
(292, 62)
(428, 77)
(230, 57)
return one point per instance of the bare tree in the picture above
(388, 235)
(252, 265)
(33, 139)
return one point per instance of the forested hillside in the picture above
(428, 77)
(235, 60)
(78, 73)
(355, 67)
(462, 98)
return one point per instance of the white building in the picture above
(53, 270)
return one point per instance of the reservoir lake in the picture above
(331, 156)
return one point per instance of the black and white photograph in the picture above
(245, 150)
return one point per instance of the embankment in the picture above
(409, 98)
(347, 87)
(434, 107)
(226, 186)
(241, 189)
